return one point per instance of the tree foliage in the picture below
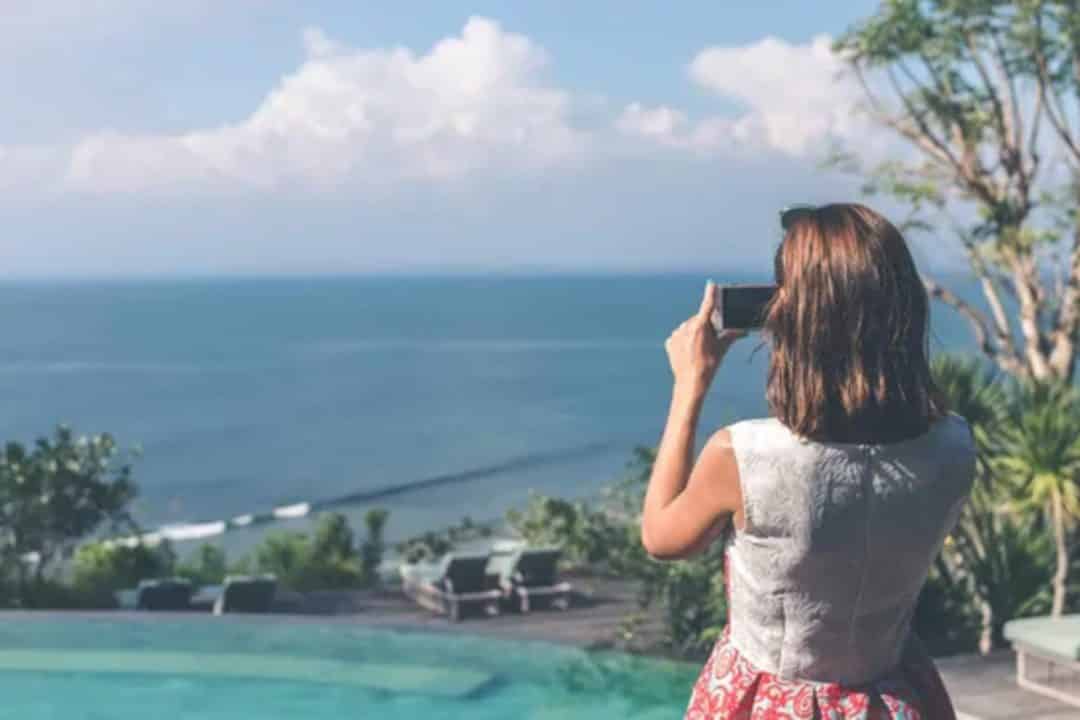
(1040, 462)
(980, 91)
(327, 559)
(605, 537)
(207, 566)
(999, 554)
(100, 569)
(55, 494)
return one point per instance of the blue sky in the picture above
(194, 137)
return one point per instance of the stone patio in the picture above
(984, 688)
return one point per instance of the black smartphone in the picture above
(741, 307)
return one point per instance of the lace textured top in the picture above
(837, 543)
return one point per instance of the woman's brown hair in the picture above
(849, 328)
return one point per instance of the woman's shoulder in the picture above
(950, 430)
(761, 432)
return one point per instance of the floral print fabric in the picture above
(731, 688)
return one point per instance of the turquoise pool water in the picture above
(157, 668)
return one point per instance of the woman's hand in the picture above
(695, 350)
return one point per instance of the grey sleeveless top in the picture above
(837, 543)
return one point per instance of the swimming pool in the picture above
(165, 668)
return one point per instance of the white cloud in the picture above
(670, 127)
(662, 123)
(794, 99)
(475, 102)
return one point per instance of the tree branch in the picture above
(1028, 292)
(966, 169)
(1004, 334)
(1033, 140)
(922, 135)
(1051, 101)
(1003, 123)
(979, 326)
(1067, 325)
(1008, 83)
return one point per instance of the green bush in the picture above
(207, 566)
(373, 548)
(946, 618)
(53, 496)
(606, 537)
(433, 544)
(325, 560)
(50, 594)
(98, 570)
(588, 538)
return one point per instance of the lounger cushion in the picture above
(1057, 637)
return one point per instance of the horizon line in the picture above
(523, 272)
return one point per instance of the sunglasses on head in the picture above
(791, 213)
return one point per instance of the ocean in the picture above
(433, 397)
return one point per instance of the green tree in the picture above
(325, 560)
(587, 537)
(54, 495)
(1041, 459)
(206, 566)
(997, 560)
(978, 89)
(374, 547)
(606, 537)
(433, 544)
(100, 569)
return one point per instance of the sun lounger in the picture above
(458, 581)
(531, 573)
(163, 594)
(245, 594)
(1048, 656)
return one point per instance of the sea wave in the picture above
(179, 532)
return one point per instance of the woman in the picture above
(838, 504)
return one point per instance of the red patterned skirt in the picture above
(731, 688)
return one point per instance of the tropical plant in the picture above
(982, 92)
(56, 494)
(975, 391)
(605, 537)
(325, 560)
(1040, 461)
(373, 547)
(996, 558)
(100, 569)
(587, 537)
(206, 566)
(946, 618)
(433, 544)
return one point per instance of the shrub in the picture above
(326, 560)
(100, 569)
(207, 566)
(588, 537)
(53, 496)
(945, 617)
(373, 547)
(431, 545)
(607, 538)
